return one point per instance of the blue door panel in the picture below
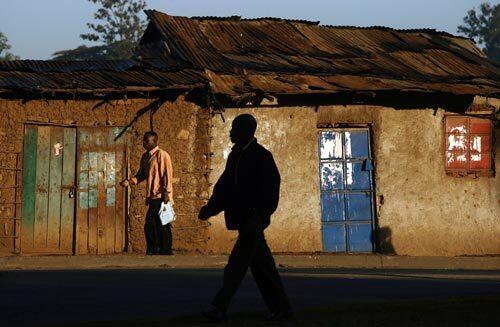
(359, 206)
(360, 238)
(332, 207)
(330, 145)
(346, 178)
(332, 176)
(356, 144)
(334, 238)
(357, 178)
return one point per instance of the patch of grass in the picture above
(465, 311)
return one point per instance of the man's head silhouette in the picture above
(150, 140)
(243, 129)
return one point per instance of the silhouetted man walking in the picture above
(248, 193)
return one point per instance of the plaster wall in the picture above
(421, 211)
(183, 132)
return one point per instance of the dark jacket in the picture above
(248, 188)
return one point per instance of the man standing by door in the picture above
(248, 193)
(156, 169)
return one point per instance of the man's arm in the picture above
(268, 190)
(138, 177)
(218, 201)
(166, 177)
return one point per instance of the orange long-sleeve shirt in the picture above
(156, 169)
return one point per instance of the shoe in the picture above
(215, 315)
(280, 315)
(166, 252)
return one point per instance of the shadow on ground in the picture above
(467, 311)
(158, 297)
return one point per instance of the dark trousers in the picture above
(251, 251)
(158, 236)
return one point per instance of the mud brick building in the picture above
(385, 138)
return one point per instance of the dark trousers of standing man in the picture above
(251, 251)
(158, 236)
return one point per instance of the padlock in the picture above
(72, 193)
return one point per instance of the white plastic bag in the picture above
(167, 214)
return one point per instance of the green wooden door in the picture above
(48, 189)
(100, 218)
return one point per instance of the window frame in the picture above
(468, 171)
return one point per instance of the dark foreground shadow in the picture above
(174, 297)
(468, 311)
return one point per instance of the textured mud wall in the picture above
(424, 211)
(183, 132)
(421, 210)
(291, 135)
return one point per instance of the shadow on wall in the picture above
(384, 241)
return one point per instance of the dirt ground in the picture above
(171, 297)
(469, 311)
(305, 260)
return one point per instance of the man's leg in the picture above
(151, 228)
(149, 232)
(268, 279)
(236, 268)
(166, 239)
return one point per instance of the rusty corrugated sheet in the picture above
(95, 75)
(269, 55)
(243, 57)
(303, 84)
(42, 66)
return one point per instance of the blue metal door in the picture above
(346, 177)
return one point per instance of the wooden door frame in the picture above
(126, 192)
(126, 199)
(20, 243)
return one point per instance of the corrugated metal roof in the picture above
(279, 48)
(96, 75)
(241, 57)
(42, 66)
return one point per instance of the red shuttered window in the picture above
(469, 145)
